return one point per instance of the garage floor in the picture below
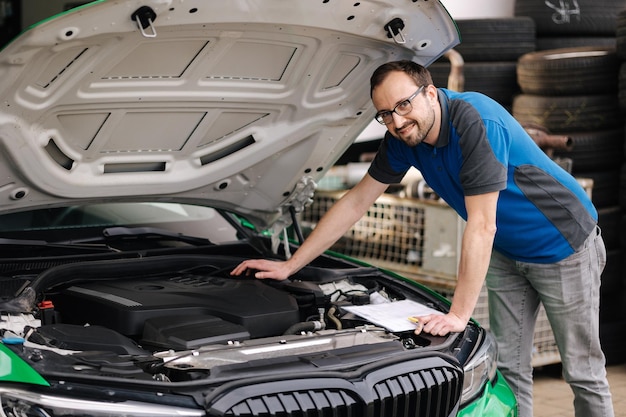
(553, 397)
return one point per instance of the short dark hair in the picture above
(420, 74)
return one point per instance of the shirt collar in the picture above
(444, 129)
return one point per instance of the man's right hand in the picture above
(337, 221)
(263, 268)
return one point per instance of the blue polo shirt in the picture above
(543, 213)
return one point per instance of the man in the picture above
(538, 220)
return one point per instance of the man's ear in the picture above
(431, 93)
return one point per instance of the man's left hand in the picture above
(440, 325)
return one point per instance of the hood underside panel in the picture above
(233, 102)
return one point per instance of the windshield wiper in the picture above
(152, 233)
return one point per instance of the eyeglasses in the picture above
(385, 117)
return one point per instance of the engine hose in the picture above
(307, 326)
(333, 318)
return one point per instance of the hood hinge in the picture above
(301, 197)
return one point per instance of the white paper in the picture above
(392, 316)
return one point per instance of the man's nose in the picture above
(398, 120)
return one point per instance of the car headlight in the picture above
(480, 369)
(21, 403)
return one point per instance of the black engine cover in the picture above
(125, 305)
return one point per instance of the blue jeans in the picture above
(570, 293)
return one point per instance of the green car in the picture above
(148, 147)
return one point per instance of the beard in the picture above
(413, 132)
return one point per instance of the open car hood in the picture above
(240, 104)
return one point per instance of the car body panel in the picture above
(497, 400)
(14, 369)
(237, 102)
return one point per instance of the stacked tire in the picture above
(613, 323)
(572, 23)
(490, 49)
(572, 92)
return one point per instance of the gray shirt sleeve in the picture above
(381, 169)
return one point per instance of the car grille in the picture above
(432, 391)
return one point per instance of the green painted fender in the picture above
(497, 401)
(14, 369)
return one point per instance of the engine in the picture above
(181, 317)
(181, 311)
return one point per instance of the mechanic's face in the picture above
(408, 116)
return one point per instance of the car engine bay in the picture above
(184, 317)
